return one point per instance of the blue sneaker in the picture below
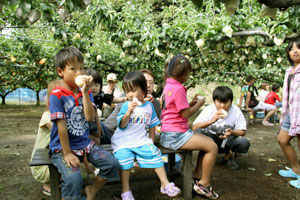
(288, 173)
(295, 183)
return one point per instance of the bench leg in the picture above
(54, 183)
(187, 175)
(171, 165)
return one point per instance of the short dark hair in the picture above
(223, 94)
(250, 78)
(289, 47)
(97, 78)
(275, 87)
(147, 71)
(178, 66)
(135, 79)
(67, 55)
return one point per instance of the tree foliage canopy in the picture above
(224, 41)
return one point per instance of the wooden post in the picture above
(171, 165)
(54, 183)
(187, 175)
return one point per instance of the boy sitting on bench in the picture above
(71, 109)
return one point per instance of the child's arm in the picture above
(119, 99)
(70, 158)
(88, 108)
(188, 112)
(241, 100)
(217, 115)
(131, 106)
(152, 133)
(48, 125)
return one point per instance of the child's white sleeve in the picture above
(240, 120)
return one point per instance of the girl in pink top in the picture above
(174, 124)
(290, 118)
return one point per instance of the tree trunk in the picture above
(37, 98)
(3, 99)
(280, 3)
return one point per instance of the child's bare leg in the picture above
(298, 141)
(284, 139)
(269, 114)
(162, 175)
(125, 174)
(198, 169)
(206, 144)
(91, 190)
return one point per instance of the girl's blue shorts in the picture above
(286, 123)
(147, 156)
(175, 140)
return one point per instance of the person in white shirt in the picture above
(225, 124)
(263, 92)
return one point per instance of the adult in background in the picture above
(252, 104)
(111, 122)
(111, 87)
(263, 92)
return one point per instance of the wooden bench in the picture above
(41, 157)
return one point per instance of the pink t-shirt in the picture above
(174, 100)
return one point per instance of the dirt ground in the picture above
(257, 177)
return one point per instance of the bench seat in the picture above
(41, 157)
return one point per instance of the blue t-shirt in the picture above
(63, 104)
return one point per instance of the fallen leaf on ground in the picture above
(268, 174)
(251, 169)
(271, 160)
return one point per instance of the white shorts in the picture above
(264, 106)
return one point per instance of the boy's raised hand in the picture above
(72, 160)
(218, 115)
(87, 82)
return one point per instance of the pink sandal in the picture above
(127, 196)
(171, 190)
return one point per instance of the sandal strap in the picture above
(127, 196)
(210, 193)
(170, 190)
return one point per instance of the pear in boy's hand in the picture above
(79, 80)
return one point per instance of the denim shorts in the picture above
(285, 126)
(175, 140)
